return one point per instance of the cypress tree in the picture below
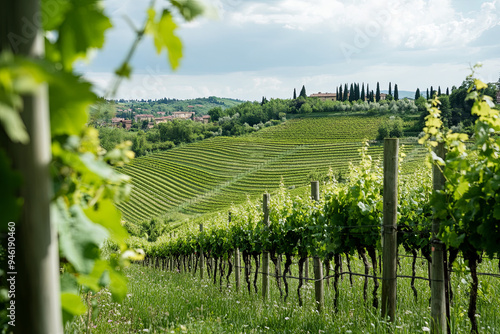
(427, 94)
(390, 90)
(377, 93)
(368, 92)
(439, 90)
(336, 93)
(303, 92)
(357, 92)
(346, 91)
(351, 93)
(362, 92)
(396, 92)
(417, 94)
(340, 97)
(447, 91)
(294, 94)
(432, 92)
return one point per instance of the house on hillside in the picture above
(162, 113)
(325, 96)
(115, 121)
(142, 117)
(203, 119)
(333, 96)
(183, 114)
(121, 122)
(163, 119)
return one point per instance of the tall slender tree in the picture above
(432, 92)
(427, 96)
(336, 93)
(396, 92)
(390, 91)
(439, 90)
(368, 92)
(417, 94)
(362, 92)
(351, 93)
(346, 92)
(340, 97)
(447, 91)
(303, 92)
(377, 93)
(294, 94)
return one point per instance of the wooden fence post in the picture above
(318, 266)
(265, 255)
(438, 298)
(202, 259)
(389, 228)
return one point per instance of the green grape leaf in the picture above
(53, 13)
(70, 97)
(68, 283)
(496, 212)
(101, 169)
(99, 276)
(163, 33)
(118, 285)
(107, 215)
(13, 124)
(80, 238)
(189, 9)
(82, 28)
(72, 305)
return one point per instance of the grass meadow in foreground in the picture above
(166, 302)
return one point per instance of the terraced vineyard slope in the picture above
(212, 174)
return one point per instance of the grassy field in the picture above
(166, 302)
(213, 174)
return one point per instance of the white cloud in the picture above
(408, 23)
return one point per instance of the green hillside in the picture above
(200, 105)
(212, 174)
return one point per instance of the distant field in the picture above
(212, 174)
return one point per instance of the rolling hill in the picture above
(212, 174)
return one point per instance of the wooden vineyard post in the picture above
(37, 300)
(265, 255)
(318, 266)
(306, 268)
(389, 228)
(438, 298)
(202, 260)
(237, 268)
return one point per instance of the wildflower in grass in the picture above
(426, 329)
(287, 318)
(110, 320)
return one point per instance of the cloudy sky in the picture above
(247, 49)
